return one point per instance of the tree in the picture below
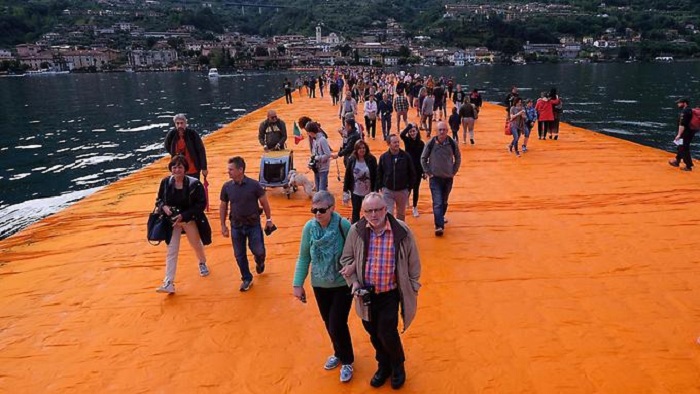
(261, 51)
(404, 51)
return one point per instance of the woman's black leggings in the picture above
(416, 187)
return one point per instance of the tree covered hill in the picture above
(659, 21)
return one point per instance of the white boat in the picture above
(46, 71)
(213, 73)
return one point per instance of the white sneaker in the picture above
(415, 212)
(167, 287)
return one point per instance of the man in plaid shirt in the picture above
(381, 262)
(401, 109)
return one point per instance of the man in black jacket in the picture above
(395, 175)
(184, 141)
(684, 136)
(350, 136)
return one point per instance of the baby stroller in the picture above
(274, 170)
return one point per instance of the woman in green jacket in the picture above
(322, 241)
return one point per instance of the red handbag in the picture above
(507, 129)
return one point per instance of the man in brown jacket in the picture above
(381, 263)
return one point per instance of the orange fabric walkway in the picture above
(573, 269)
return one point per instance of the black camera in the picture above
(312, 162)
(365, 293)
(173, 213)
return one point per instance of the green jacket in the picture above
(325, 265)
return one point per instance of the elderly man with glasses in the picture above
(272, 133)
(381, 263)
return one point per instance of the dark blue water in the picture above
(65, 136)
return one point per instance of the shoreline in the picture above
(560, 269)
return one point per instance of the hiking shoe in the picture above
(345, 373)
(415, 212)
(245, 286)
(510, 148)
(471, 140)
(260, 268)
(517, 154)
(524, 149)
(673, 163)
(203, 269)
(556, 137)
(687, 169)
(439, 231)
(332, 363)
(167, 287)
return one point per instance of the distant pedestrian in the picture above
(518, 118)
(395, 176)
(441, 160)
(385, 110)
(360, 177)
(287, 91)
(426, 111)
(401, 109)
(684, 136)
(413, 145)
(455, 122)
(186, 142)
(467, 115)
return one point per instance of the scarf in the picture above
(324, 250)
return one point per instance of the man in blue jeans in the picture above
(440, 160)
(243, 195)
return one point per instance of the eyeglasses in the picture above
(320, 210)
(374, 210)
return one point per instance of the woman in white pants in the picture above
(182, 199)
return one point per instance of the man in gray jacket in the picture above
(440, 160)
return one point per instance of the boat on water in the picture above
(664, 59)
(45, 71)
(213, 73)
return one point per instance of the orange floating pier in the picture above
(573, 269)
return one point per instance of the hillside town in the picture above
(126, 46)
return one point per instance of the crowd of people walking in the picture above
(370, 258)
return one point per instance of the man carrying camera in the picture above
(381, 262)
(243, 194)
(320, 159)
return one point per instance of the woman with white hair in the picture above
(322, 241)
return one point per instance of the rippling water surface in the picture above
(65, 136)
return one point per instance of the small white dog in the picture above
(300, 180)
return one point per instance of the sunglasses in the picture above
(320, 210)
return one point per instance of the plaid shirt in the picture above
(401, 103)
(380, 269)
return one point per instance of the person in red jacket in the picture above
(545, 113)
(541, 124)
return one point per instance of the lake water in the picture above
(65, 136)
